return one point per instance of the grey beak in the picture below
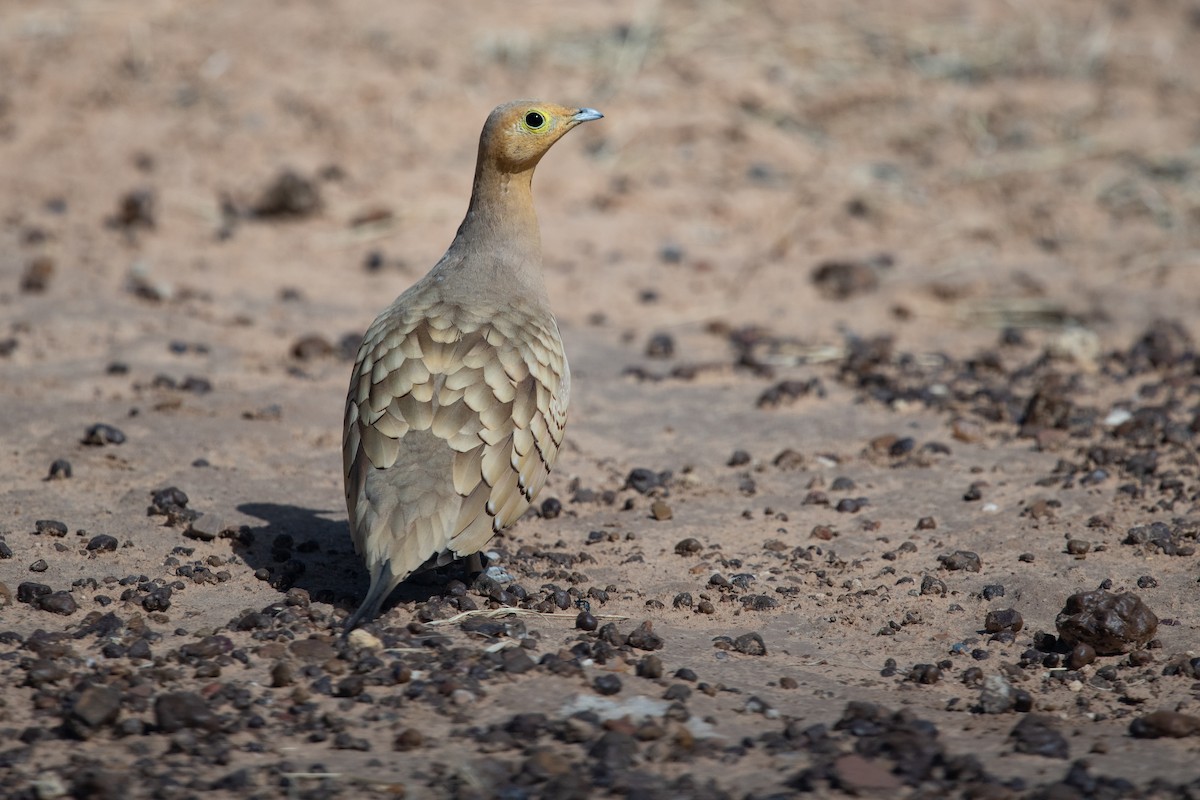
(587, 115)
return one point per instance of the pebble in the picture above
(288, 195)
(961, 560)
(661, 345)
(1006, 619)
(101, 434)
(932, 585)
(585, 621)
(95, 707)
(50, 527)
(607, 684)
(750, 644)
(660, 510)
(551, 508)
(643, 480)
(176, 711)
(363, 639)
(102, 543)
(60, 469)
(925, 674)
(28, 591)
(1081, 655)
(650, 667)
(408, 739)
(644, 638)
(689, 546)
(1037, 735)
(61, 603)
(311, 348)
(1113, 624)
(997, 694)
(39, 566)
(282, 674)
(1165, 724)
(205, 527)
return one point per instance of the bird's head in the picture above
(518, 134)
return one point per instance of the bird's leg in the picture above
(474, 564)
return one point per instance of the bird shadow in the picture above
(299, 548)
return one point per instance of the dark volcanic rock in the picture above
(1165, 724)
(178, 710)
(1111, 623)
(1036, 735)
(95, 707)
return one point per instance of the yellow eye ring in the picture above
(534, 120)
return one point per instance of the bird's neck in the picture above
(501, 215)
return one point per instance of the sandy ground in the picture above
(937, 264)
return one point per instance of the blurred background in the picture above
(962, 165)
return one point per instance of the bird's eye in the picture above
(535, 121)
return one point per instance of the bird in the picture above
(458, 397)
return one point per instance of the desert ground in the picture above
(881, 473)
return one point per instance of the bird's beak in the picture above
(586, 115)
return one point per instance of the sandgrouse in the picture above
(459, 396)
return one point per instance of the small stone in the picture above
(650, 667)
(926, 524)
(312, 347)
(100, 434)
(60, 469)
(687, 547)
(644, 638)
(997, 694)
(927, 674)
(516, 661)
(1078, 547)
(585, 621)
(932, 585)
(961, 560)
(175, 711)
(738, 458)
(28, 591)
(39, 566)
(1081, 655)
(205, 527)
(750, 644)
(1006, 619)
(102, 543)
(282, 674)
(661, 345)
(95, 707)
(1165, 724)
(1037, 735)
(61, 603)
(607, 684)
(50, 527)
(551, 508)
(1112, 624)
(788, 682)
(363, 639)
(408, 739)
(288, 195)
(660, 510)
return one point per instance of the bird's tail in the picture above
(382, 583)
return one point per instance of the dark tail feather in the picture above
(382, 584)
